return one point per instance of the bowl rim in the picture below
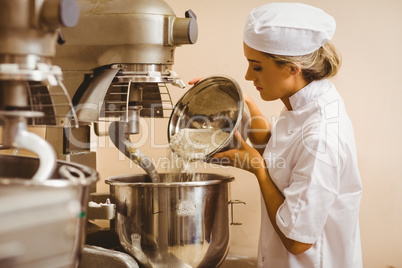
(91, 175)
(147, 183)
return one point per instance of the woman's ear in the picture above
(295, 69)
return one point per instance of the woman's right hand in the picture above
(245, 157)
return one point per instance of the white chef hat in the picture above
(288, 29)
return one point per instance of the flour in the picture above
(196, 144)
(189, 146)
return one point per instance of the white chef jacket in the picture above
(311, 157)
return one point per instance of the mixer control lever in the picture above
(190, 14)
(60, 38)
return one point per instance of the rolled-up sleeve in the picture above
(313, 188)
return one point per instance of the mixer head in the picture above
(122, 54)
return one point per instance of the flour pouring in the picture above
(196, 144)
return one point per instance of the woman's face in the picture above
(272, 81)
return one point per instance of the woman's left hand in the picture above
(244, 157)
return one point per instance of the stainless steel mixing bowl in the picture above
(216, 102)
(42, 224)
(172, 223)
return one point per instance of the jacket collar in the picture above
(309, 93)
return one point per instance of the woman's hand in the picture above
(195, 80)
(259, 132)
(247, 99)
(245, 157)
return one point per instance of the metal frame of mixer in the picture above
(30, 32)
(29, 87)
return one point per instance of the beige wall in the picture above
(369, 37)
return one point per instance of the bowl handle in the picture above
(234, 202)
(100, 207)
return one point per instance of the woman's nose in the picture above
(248, 75)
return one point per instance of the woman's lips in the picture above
(258, 88)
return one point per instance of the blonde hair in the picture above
(325, 62)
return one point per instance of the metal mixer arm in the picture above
(16, 135)
(117, 133)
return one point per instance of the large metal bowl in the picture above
(42, 224)
(173, 223)
(215, 102)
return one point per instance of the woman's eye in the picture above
(257, 69)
